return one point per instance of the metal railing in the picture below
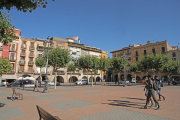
(23, 54)
(12, 58)
(31, 63)
(22, 62)
(31, 54)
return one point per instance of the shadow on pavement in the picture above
(134, 98)
(124, 103)
(2, 105)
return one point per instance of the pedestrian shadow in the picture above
(125, 103)
(134, 98)
(2, 105)
(10, 98)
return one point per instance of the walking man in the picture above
(36, 85)
(159, 82)
(151, 93)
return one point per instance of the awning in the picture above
(9, 77)
(40, 44)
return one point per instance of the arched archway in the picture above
(98, 79)
(164, 78)
(129, 77)
(122, 76)
(91, 79)
(116, 78)
(84, 77)
(138, 78)
(74, 79)
(60, 79)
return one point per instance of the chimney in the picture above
(79, 41)
(148, 42)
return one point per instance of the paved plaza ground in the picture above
(90, 103)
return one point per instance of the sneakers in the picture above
(144, 107)
(152, 105)
(159, 108)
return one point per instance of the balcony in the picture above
(22, 62)
(23, 46)
(129, 58)
(31, 48)
(30, 71)
(128, 53)
(30, 63)
(11, 71)
(136, 54)
(12, 49)
(163, 51)
(20, 71)
(12, 58)
(144, 53)
(1, 48)
(40, 48)
(59, 73)
(31, 54)
(23, 54)
(42, 72)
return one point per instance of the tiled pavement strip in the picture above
(89, 103)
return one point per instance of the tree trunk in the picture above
(40, 77)
(118, 77)
(101, 76)
(71, 78)
(135, 77)
(91, 79)
(168, 80)
(55, 80)
(95, 78)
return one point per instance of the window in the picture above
(173, 58)
(136, 59)
(163, 49)
(40, 55)
(153, 51)
(32, 45)
(12, 56)
(13, 47)
(31, 59)
(173, 54)
(22, 58)
(21, 68)
(145, 52)
(136, 53)
(128, 52)
(30, 69)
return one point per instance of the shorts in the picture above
(158, 91)
(146, 92)
(151, 93)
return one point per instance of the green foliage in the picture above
(23, 5)
(171, 66)
(134, 67)
(7, 33)
(71, 67)
(104, 64)
(40, 62)
(117, 64)
(5, 65)
(58, 58)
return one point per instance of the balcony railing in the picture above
(22, 62)
(1, 48)
(30, 71)
(23, 46)
(12, 58)
(59, 72)
(23, 54)
(128, 53)
(31, 48)
(163, 51)
(42, 72)
(136, 54)
(31, 54)
(40, 48)
(12, 49)
(12, 71)
(30, 63)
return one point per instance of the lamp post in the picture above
(48, 44)
(124, 57)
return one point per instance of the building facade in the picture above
(135, 52)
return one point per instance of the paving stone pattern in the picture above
(5, 94)
(10, 112)
(91, 92)
(69, 104)
(49, 96)
(67, 90)
(5, 100)
(122, 114)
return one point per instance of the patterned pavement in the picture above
(90, 103)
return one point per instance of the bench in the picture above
(16, 94)
(45, 115)
(107, 83)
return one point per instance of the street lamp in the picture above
(124, 57)
(48, 44)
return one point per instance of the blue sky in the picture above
(106, 24)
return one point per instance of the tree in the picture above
(134, 68)
(7, 33)
(118, 65)
(71, 67)
(5, 66)
(58, 58)
(170, 67)
(95, 66)
(23, 5)
(104, 65)
(40, 62)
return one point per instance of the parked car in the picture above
(133, 80)
(122, 81)
(82, 82)
(16, 84)
(52, 83)
(142, 81)
(3, 82)
(175, 82)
